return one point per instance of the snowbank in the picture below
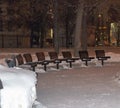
(19, 87)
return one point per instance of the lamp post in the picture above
(1, 87)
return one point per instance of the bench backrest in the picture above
(28, 57)
(100, 53)
(83, 54)
(40, 56)
(67, 54)
(20, 59)
(53, 55)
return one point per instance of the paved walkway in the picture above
(90, 87)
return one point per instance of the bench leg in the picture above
(57, 65)
(70, 64)
(102, 62)
(86, 63)
(45, 67)
(33, 68)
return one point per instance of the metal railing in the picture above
(14, 41)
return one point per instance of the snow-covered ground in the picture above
(94, 86)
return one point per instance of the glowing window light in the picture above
(51, 33)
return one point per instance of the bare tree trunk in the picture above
(78, 29)
(84, 31)
(56, 38)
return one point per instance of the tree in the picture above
(78, 30)
(85, 8)
(35, 16)
(64, 12)
(56, 38)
